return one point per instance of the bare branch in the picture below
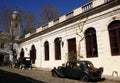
(48, 13)
(79, 32)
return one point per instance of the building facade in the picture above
(92, 30)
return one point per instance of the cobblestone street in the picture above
(8, 77)
(45, 76)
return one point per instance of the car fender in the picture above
(99, 71)
(58, 72)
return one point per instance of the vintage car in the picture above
(82, 70)
(24, 63)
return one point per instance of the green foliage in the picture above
(71, 56)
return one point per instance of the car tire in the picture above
(84, 77)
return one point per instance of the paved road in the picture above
(7, 77)
(36, 76)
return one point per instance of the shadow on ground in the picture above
(8, 77)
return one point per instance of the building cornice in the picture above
(83, 15)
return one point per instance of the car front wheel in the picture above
(84, 77)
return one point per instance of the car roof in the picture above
(82, 61)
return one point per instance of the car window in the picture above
(77, 65)
(90, 65)
(69, 65)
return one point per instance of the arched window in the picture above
(114, 34)
(46, 50)
(91, 43)
(33, 54)
(57, 49)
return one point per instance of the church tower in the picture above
(15, 25)
(15, 29)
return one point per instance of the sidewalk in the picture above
(44, 75)
(110, 77)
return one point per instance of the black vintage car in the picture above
(24, 63)
(83, 70)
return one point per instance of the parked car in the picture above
(83, 70)
(24, 63)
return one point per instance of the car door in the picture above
(72, 71)
(68, 70)
(76, 70)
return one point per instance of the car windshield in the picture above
(89, 65)
(73, 65)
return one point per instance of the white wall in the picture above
(100, 22)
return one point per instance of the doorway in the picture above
(72, 55)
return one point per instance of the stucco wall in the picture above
(99, 22)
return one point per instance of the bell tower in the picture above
(15, 30)
(15, 25)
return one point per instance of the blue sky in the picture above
(63, 6)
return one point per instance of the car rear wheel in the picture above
(84, 77)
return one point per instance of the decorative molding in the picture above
(83, 15)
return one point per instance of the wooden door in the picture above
(72, 49)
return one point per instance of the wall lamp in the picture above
(62, 43)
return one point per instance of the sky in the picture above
(63, 6)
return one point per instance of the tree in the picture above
(71, 56)
(5, 18)
(12, 33)
(9, 24)
(48, 13)
(28, 22)
(79, 32)
(5, 22)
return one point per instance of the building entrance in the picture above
(72, 55)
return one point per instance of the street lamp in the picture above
(62, 43)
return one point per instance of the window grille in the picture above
(87, 6)
(56, 21)
(45, 26)
(69, 15)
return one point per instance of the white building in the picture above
(100, 20)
